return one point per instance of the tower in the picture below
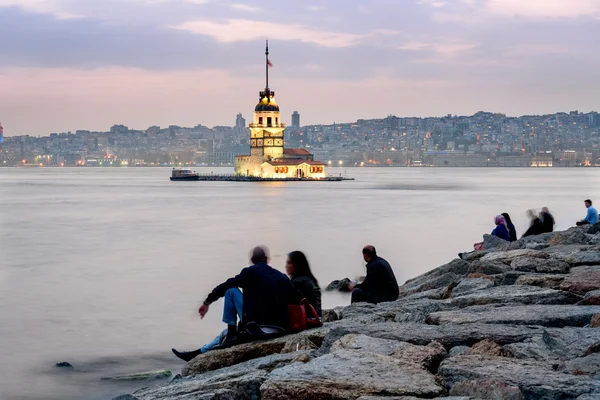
(266, 129)
(240, 121)
(296, 119)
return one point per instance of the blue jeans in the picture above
(232, 309)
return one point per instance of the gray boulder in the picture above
(584, 258)
(142, 376)
(508, 256)
(346, 374)
(341, 285)
(591, 298)
(488, 389)
(546, 266)
(574, 235)
(536, 380)
(554, 344)
(582, 280)
(491, 242)
(470, 285)
(588, 365)
(543, 315)
(217, 359)
(550, 281)
(594, 229)
(514, 295)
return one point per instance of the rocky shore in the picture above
(518, 320)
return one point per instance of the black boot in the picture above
(230, 340)
(187, 355)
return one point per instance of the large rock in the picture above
(491, 242)
(543, 315)
(533, 264)
(556, 344)
(217, 359)
(550, 281)
(584, 258)
(536, 380)
(514, 294)
(420, 334)
(508, 256)
(488, 348)
(581, 281)
(488, 389)
(428, 356)
(341, 285)
(470, 285)
(142, 376)
(241, 381)
(574, 235)
(594, 229)
(438, 278)
(591, 298)
(588, 365)
(489, 267)
(347, 374)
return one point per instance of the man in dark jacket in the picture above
(264, 301)
(380, 283)
(547, 220)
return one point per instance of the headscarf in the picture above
(500, 220)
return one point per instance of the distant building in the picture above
(240, 121)
(296, 119)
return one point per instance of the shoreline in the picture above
(514, 321)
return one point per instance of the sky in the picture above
(90, 64)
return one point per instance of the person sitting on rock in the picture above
(380, 283)
(501, 229)
(592, 215)
(303, 280)
(264, 301)
(547, 220)
(536, 226)
(511, 227)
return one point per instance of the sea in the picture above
(105, 268)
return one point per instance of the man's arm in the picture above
(367, 283)
(219, 291)
(589, 215)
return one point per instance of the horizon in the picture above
(304, 125)
(88, 66)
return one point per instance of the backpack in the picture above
(303, 316)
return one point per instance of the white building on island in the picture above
(268, 156)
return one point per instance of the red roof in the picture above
(293, 161)
(314, 162)
(297, 152)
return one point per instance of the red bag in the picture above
(478, 246)
(303, 316)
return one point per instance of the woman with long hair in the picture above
(302, 278)
(511, 227)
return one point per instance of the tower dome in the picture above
(266, 102)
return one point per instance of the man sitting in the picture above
(264, 301)
(592, 215)
(380, 283)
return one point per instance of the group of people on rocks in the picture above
(261, 306)
(539, 223)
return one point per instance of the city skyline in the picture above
(143, 63)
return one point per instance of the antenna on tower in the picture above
(267, 66)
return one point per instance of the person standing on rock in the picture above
(264, 301)
(501, 229)
(380, 283)
(298, 269)
(592, 214)
(536, 226)
(511, 227)
(547, 220)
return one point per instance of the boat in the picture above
(184, 175)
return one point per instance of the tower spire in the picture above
(267, 65)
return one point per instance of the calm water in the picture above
(105, 268)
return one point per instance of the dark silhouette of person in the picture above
(304, 281)
(511, 227)
(536, 227)
(264, 301)
(547, 220)
(380, 283)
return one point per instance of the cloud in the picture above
(442, 47)
(237, 30)
(244, 7)
(545, 8)
(52, 7)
